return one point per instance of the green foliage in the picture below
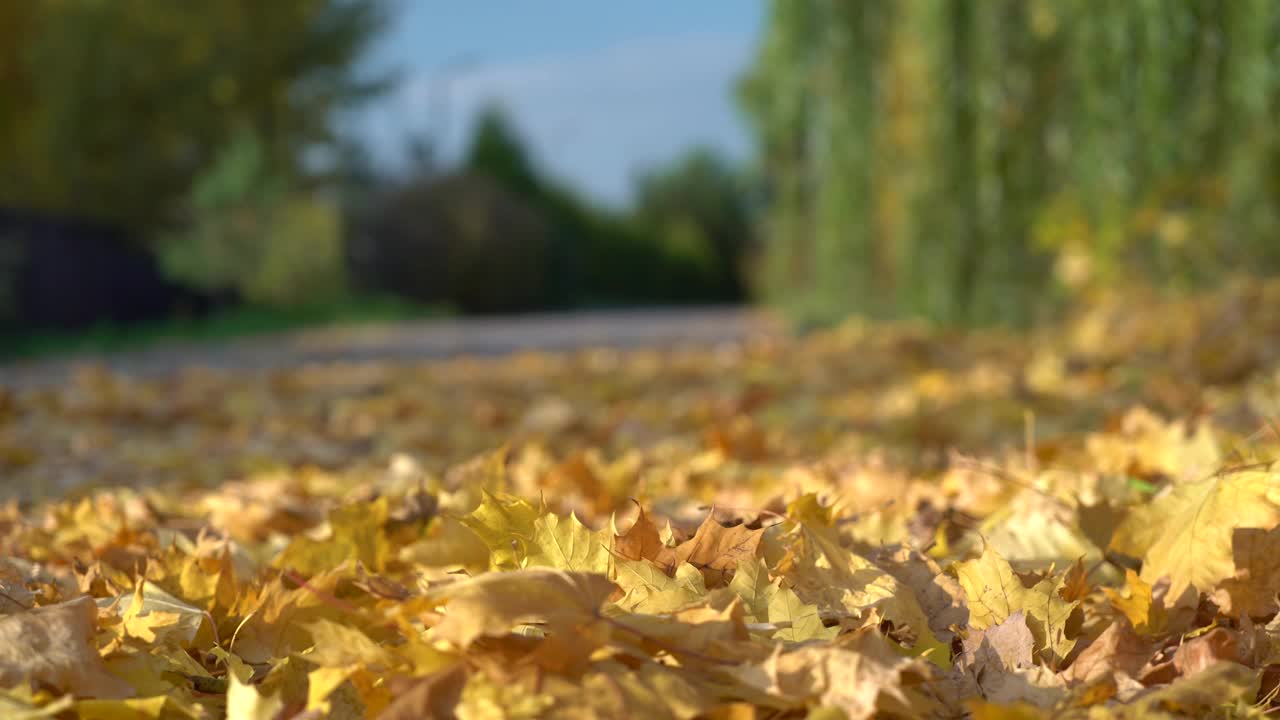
(975, 162)
(697, 209)
(686, 239)
(220, 326)
(113, 108)
(498, 152)
(249, 232)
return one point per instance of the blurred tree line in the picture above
(206, 131)
(977, 161)
(496, 235)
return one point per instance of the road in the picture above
(424, 340)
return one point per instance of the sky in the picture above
(600, 89)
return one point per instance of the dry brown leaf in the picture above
(52, 647)
(433, 696)
(714, 549)
(14, 594)
(1117, 649)
(858, 674)
(640, 541)
(941, 597)
(494, 603)
(1253, 590)
(1007, 646)
(1217, 645)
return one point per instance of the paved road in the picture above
(426, 340)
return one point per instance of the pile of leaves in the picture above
(878, 521)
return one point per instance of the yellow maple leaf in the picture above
(155, 616)
(1186, 534)
(567, 544)
(751, 583)
(154, 670)
(836, 579)
(1135, 603)
(448, 543)
(650, 590)
(235, 665)
(339, 645)
(358, 534)
(799, 622)
(994, 593)
(506, 525)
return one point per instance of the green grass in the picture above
(244, 321)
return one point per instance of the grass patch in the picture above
(232, 323)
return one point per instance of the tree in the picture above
(113, 108)
(463, 240)
(497, 151)
(977, 161)
(697, 209)
(247, 230)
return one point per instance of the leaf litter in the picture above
(873, 521)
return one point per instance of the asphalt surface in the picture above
(425, 340)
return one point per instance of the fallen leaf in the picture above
(995, 593)
(751, 583)
(358, 535)
(1147, 617)
(154, 616)
(506, 525)
(14, 594)
(52, 646)
(714, 549)
(567, 544)
(494, 603)
(1220, 684)
(799, 622)
(1217, 645)
(649, 589)
(448, 544)
(433, 696)
(839, 581)
(1186, 535)
(1254, 587)
(244, 702)
(1117, 649)
(1006, 645)
(640, 541)
(341, 645)
(860, 676)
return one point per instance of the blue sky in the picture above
(600, 88)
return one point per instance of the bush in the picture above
(461, 240)
(250, 232)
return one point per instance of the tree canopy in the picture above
(115, 107)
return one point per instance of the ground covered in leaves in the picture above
(877, 521)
